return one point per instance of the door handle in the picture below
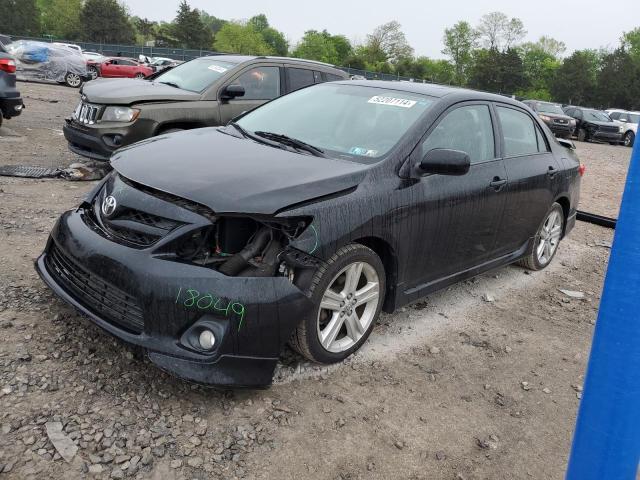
(552, 171)
(498, 183)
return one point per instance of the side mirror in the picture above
(566, 143)
(232, 91)
(443, 161)
(623, 120)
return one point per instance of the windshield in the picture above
(196, 75)
(544, 107)
(347, 121)
(596, 116)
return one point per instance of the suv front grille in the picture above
(608, 129)
(102, 298)
(86, 113)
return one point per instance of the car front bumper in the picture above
(113, 284)
(607, 136)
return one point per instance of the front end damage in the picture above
(211, 298)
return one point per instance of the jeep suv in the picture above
(207, 91)
(561, 124)
(595, 125)
(10, 100)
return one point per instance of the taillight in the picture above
(7, 65)
(581, 169)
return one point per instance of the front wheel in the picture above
(347, 293)
(546, 241)
(93, 71)
(629, 139)
(582, 135)
(140, 75)
(72, 80)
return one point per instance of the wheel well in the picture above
(182, 125)
(566, 207)
(389, 260)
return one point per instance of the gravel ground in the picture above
(480, 381)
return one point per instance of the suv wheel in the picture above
(582, 135)
(348, 292)
(629, 139)
(72, 80)
(546, 241)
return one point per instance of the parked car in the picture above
(207, 91)
(552, 114)
(11, 104)
(72, 46)
(303, 219)
(629, 122)
(120, 67)
(595, 125)
(41, 61)
(158, 64)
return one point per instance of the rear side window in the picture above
(299, 78)
(260, 83)
(333, 78)
(468, 129)
(519, 132)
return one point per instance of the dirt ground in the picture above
(480, 381)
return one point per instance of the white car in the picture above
(72, 46)
(629, 122)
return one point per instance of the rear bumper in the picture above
(247, 348)
(11, 107)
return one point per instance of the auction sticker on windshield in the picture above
(396, 102)
(217, 68)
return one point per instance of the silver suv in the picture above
(629, 121)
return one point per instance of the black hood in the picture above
(558, 116)
(233, 175)
(127, 91)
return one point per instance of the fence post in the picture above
(606, 442)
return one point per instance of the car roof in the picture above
(232, 58)
(433, 90)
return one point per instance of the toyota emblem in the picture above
(109, 205)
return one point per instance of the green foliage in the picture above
(60, 18)
(19, 17)
(631, 42)
(105, 21)
(387, 44)
(459, 43)
(235, 37)
(324, 47)
(575, 80)
(271, 36)
(618, 81)
(212, 23)
(495, 71)
(188, 28)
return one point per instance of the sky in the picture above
(579, 23)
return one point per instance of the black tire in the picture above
(629, 139)
(305, 338)
(531, 261)
(93, 71)
(72, 80)
(582, 135)
(140, 75)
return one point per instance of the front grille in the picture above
(99, 296)
(608, 129)
(86, 113)
(560, 121)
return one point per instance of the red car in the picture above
(120, 67)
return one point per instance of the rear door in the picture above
(298, 78)
(456, 217)
(261, 83)
(533, 173)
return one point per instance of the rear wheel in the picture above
(93, 71)
(348, 292)
(72, 80)
(582, 135)
(140, 75)
(547, 239)
(629, 139)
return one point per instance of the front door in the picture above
(261, 84)
(455, 218)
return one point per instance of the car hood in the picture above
(558, 116)
(233, 175)
(126, 91)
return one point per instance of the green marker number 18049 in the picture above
(191, 298)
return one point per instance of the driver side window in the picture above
(468, 129)
(260, 83)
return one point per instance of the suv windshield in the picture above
(596, 116)
(544, 107)
(348, 121)
(196, 75)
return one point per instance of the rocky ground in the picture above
(480, 381)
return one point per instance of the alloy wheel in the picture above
(549, 237)
(139, 75)
(348, 307)
(73, 80)
(628, 139)
(93, 72)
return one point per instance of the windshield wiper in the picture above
(260, 139)
(292, 142)
(171, 84)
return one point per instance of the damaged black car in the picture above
(304, 219)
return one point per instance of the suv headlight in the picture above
(120, 114)
(545, 118)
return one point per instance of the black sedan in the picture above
(595, 125)
(302, 220)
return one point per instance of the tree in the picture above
(631, 43)
(105, 21)
(618, 81)
(145, 28)
(324, 47)
(235, 37)
(271, 36)
(189, 30)
(459, 42)
(495, 71)
(388, 43)
(60, 18)
(19, 17)
(499, 32)
(540, 65)
(212, 23)
(551, 46)
(575, 80)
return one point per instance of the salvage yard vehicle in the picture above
(303, 219)
(561, 124)
(629, 122)
(11, 104)
(39, 61)
(119, 67)
(595, 125)
(208, 91)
